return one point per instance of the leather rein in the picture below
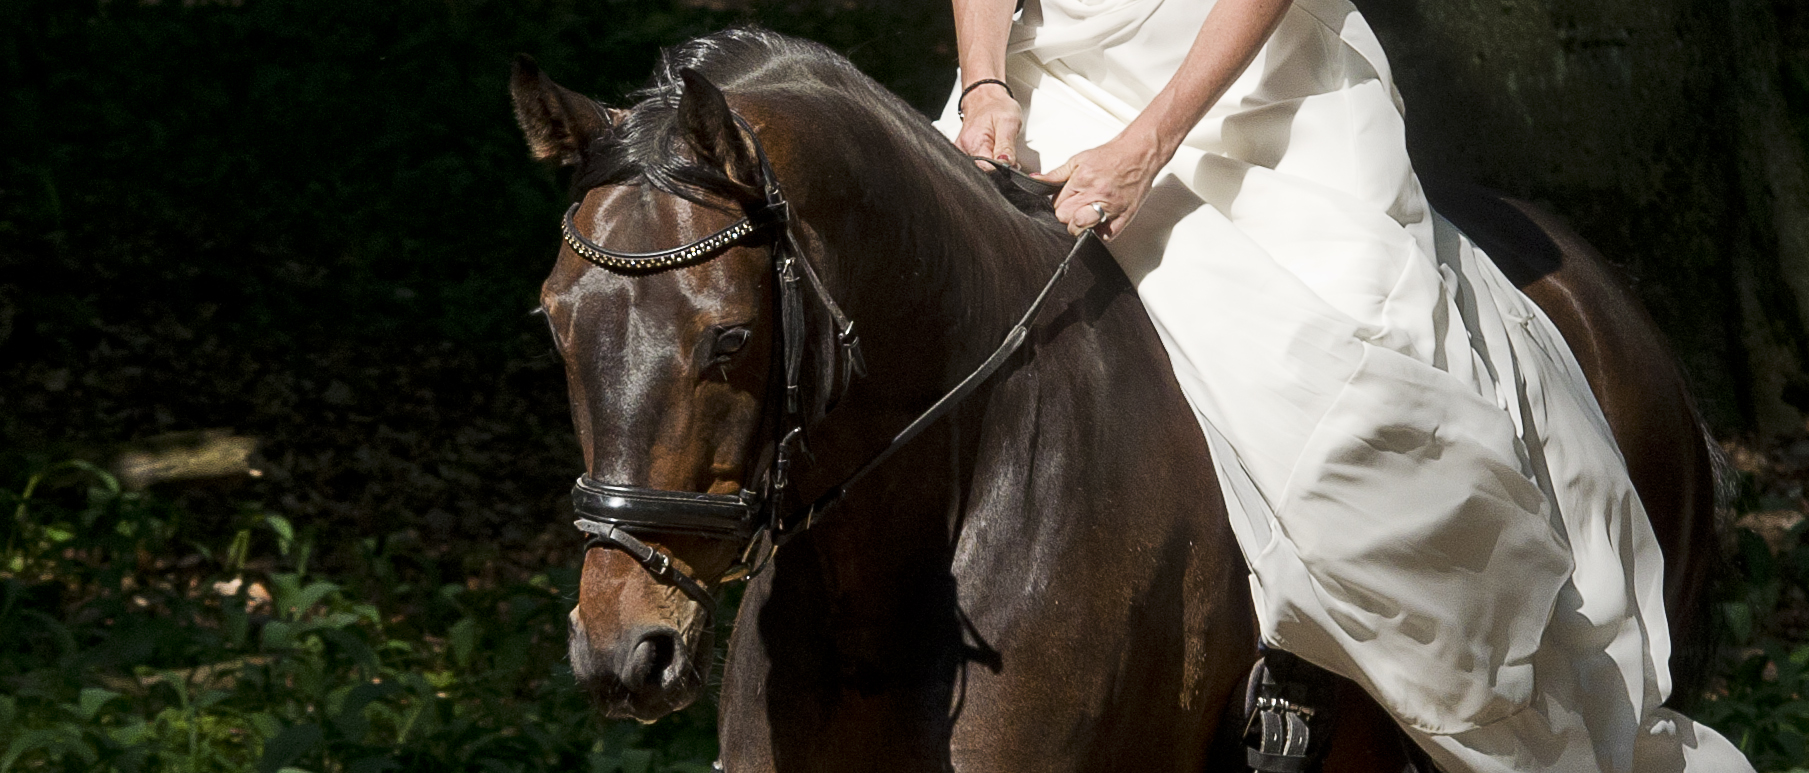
(612, 514)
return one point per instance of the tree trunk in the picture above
(1661, 130)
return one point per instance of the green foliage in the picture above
(237, 658)
(1762, 701)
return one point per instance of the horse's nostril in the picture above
(650, 658)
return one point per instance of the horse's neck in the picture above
(958, 574)
(869, 595)
(950, 272)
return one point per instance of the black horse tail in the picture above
(1695, 656)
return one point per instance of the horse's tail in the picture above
(1695, 655)
(1727, 480)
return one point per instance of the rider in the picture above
(1426, 492)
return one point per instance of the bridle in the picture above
(612, 514)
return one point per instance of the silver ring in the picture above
(1099, 207)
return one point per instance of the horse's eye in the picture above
(730, 341)
(717, 348)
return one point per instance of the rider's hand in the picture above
(990, 123)
(1117, 174)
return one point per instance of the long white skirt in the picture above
(1425, 490)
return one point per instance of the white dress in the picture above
(1427, 494)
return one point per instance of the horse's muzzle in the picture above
(646, 674)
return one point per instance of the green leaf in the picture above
(636, 760)
(130, 734)
(208, 698)
(336, 621)
(285, 533)
(266, 725)
(351, 720)
(353, 647)
(91, 701)
(368, 612)
(1739, 621)
(27, 741)
(237, 623)
(239, 551)
(109, 484)
(288, 746)
(374, 765)
(462, 639)
(292, 599)
(278, 635)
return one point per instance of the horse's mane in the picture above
(914, 163)
(736, 60)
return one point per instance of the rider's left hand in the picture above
(1117, 174)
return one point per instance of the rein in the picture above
(611, 514)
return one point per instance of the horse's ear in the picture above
(559, 122)
(709, 128)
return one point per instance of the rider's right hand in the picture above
(990, 125)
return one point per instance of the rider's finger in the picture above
(1059, 174)
(1075, 215)
(1110, 228)
(1004, 141)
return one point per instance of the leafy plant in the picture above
(116, 656)
(1762, 702)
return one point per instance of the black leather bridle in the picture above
(611, 514)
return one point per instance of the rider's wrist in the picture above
(982, 89)
(1152, 141)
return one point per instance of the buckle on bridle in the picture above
(782, 460)
(772, 213)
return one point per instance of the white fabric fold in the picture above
(1427, 494)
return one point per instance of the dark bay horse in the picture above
(1046, 578)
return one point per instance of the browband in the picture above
(771, 214)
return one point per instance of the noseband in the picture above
(612, 514)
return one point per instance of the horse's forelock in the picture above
(643, 145)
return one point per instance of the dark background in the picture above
(315, 223)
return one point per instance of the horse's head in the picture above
(667, 367)
(695, 365)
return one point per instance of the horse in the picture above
(1031, 568)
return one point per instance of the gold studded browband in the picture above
(655, 261)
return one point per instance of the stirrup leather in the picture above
(1280, 704)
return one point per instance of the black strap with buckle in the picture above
(1285, 700)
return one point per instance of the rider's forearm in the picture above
(981, 30)
(1229, 39)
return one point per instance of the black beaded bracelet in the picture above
(961, 113)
